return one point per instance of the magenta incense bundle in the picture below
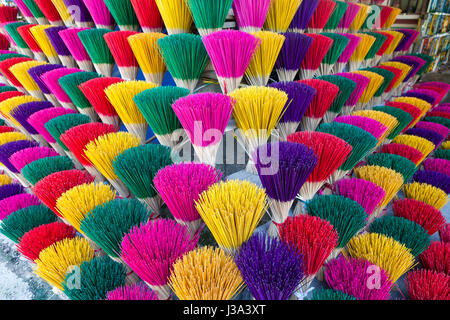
(51, 78)
(100, 13)
(361, 84)
(349, 16)
(250, 14)
(76, 48)
(26, 156)
(347, 53)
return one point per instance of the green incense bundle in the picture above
(35, 11)
(20, 222)
(186, 58)
(379, 41)
(346, 88)
(107, 224)
(361, 141)
(7, 89)
(330, 294)
(339, 44)
(70, 84)
(345, 215)
(440, 120)
(395, 162)
(428, 61)
(442, 154)
(336, 16)
(98, 50)
(137, 167)
(156, 107)
(39, 169)
(11, 28)
(407, 232)
(388, 77)
(7, 56)
(209, 16)
(123, 12)
(59, 125)
(403, 118)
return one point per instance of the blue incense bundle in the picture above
(291, 56)
(430, 135)
(271, 269)
(303, 15)
(437, 179)
(300, 97)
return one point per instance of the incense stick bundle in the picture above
(39, 169)
(426, 193)
(376, 81)
(349, 15)
(362, 83)
(395, 162)
(63, 12)
(98, 50)
(11, 29)
(321, 15)
(345, 56)
(250, 15)
(336, 16)
(51, 79)
(26, 13)
(81, 15)
(123, 55)
(315, 55)
(50, 12)
(370, 56)
(60, 47)
(20, 72)
(176, 15)
(37, 72)
(384, 47)
(360, 17)
(148, 15)
(374, 127)
(419, 143)
(392, 17)
(340, 43)
(76, 48)
(132, 292)
(361, 51)
(37, 13)
(42, 39)
(280, 14)
(403, 118)
(302, 16)
(24, 32)
(100, 14)
(124, 14)
(24, 157)
(386, 119)
(15, 203)
(209, 16)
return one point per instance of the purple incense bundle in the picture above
(22, 112)
(36, 74)
(300, 97)
(291, 56)
(230, 52)
(366, 193)
(430, 135)
(17, 202)
(82, 15)
(26, 156)
(436, 127)
(180, 186)
(137, 291)
(347, 53)
(355, 277)
(250, 15)
(150, 250)
(76, 48)
(438, 165)
(283, 168)
(409, 36)
(436, 179)
(429, 96)
(271, 269)
(40, 118)
(51, 78)
(361, 84)
(10, 190)
(60, 47)
(349, 16)
(303, 15)
(8, 149)
(375, 128)
(415, 62)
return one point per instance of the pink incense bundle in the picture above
(151, 250)
(205, 117)
(148, 15)
(230, 52)
(250, 15)
(26, 156)
(123, 55)
(353, 276)
(76, 48)
(331, 152)
(138, 291)
(361, 84)
(348, 51)
(349, 16)
(49, 10)
(26, 35)
(12, 80)
(375, 128)
(94, 91)
(439, 165)
(180, 186)
(50, 188)
(321, 15)
(326, 92)
(17, 202)
(26, 13)
(40, 118)
(436, 127)
(316, 52)
(440, 87)
(51, 78)
(366, 193)
(405, 151)
(100, 14)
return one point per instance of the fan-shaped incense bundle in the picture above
(395, 162)
(37, 13)
(419, 103)
(156, 265)
(145, 49)
(56, 260)
(43, 40)
(180, 186)
(386, 119)
(426, 193)
(213, 112)
(391, 18)
(27, 37)
(8, 137)
(9, 190)
(419, 143)
(405, 71)
(336, 16)
(148, 15)
(429, 135)
(11, 80)
(100, 14)
(76, 48)
(230, 52)
(20, 72)
(38, 239)
(63, 12)
(361, 51)
(362, 82)
(315, 55)
(271, 269)
(209, 16)
(132, 292)
(380, 39)
(414, 111)
(321, 15)
(17, 202)
(269, 103)
(404, 119)
(340, 43)
(264, 58)
(123, 55)
(121, 97)
(26, 13)
(4, 129)
(21, 221)
(442, 154)
(326, 92)
(382, 93)
(349, 15)
(428, 285)
(7, 150)
(37, 72)
(60, 47)
(410, 36)
(436, 257)
(280, 14)
(436, 127)
(176, 15)
(375, 128)
(48, 9)
(156, 107)
(440, 87)
(250, 15)
(439, 120)
(81, 14)
(137, 167)
(123, 13)
(98, 50)
(331, 152)
(352, 276)
(302, 16)
(291, 56)
(39, 169)
(360, 17)
(7, 106)
(21, 45)
(26, 156)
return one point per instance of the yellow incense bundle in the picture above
(145, 49)
(280, 14)
(386, 119)
(419, 103)
(423, 145)
(103, 150)
(20, 71)
(121, 97)
(76, 203)
(375, 83)
(8, 137)
(232, 211)
(391, 256)
(60, 258)
(398, 36)
(205, 274)
(426, 193)
(176, 15)
(63, 12)
(43, 41)
(264, 58)
(9, 105)
(361, 51)
(360, 17)
(5, 179)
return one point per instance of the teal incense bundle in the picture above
(209, 16)
(98, 50)
(123, 13)
(400, 164)
(336, 16)
(340, 42)
(11, 29)
(376, 46)
(39, 169)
